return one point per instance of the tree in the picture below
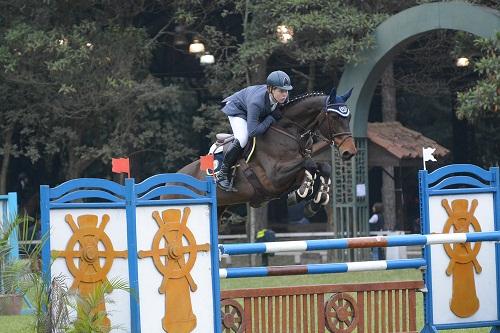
(480, 104)
(327, 35)
(484, 96)
(76, 84)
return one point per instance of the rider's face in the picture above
(280, 95)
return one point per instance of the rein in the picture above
(305, 148)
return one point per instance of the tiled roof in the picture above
(401, 141)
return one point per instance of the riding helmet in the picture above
(279, 79)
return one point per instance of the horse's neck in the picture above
(304, 113)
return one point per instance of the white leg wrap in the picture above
(307, 186)
(323, 195)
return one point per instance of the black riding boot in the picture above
(230, 158)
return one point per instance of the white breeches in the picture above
(240, 130)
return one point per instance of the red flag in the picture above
(119, 165)
(207, 162)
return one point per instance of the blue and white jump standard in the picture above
(462, 281)
(163, 248)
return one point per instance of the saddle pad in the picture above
(218, 151)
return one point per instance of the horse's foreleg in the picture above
(321, 190)
(306, 188)
(322, 195)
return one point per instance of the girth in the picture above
(261, 194)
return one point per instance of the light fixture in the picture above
(285, 34)
(462, 62)
(207, 59)
(196, 47)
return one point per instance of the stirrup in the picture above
(229, 188)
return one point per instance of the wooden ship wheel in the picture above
(341, 313)
(463, 257)
(171, 244)
(83, 245)
(232, 316)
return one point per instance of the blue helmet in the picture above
(279, 79)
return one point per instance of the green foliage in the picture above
(327, 35)
(90, 320)
(11, 271)
(77, 90)
(484, 96)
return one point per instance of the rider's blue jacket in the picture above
(252, 104)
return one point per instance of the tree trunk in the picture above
(312, 77)
(389, 113)
(389, 108)
(7, 150)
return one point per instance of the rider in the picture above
(251, 111)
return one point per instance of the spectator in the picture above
(376, 223)
(265, 235)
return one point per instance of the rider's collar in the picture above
(340, 108)
(273, 102)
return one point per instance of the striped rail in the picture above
(384, 307)
(328, 244)
(357, 242)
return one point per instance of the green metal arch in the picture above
(399, 30)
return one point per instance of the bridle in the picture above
(342, 110)
(309, 134)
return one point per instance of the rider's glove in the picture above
(276, 114)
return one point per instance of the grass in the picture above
(16, 324)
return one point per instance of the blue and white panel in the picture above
(485, 281)
(8, 214)
(116, 235)
(152, 303)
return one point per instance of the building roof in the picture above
(402, 142)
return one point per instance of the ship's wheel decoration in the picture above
(463, 257)
(83, 245)
(232, 316)
(172, 243)
(341, 313)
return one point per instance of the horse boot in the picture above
(230, 158)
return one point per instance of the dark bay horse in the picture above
(278, 162)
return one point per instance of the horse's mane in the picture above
(302, 97)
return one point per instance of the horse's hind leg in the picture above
(221, 225)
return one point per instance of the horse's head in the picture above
(334, 125)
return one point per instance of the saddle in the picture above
(218, 148)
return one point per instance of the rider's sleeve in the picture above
(255, 127)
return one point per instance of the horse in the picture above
(278, 163)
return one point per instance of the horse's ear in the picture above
(346, 96)
(333, 95)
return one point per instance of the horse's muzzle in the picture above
(347, 147)
(347, 155)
